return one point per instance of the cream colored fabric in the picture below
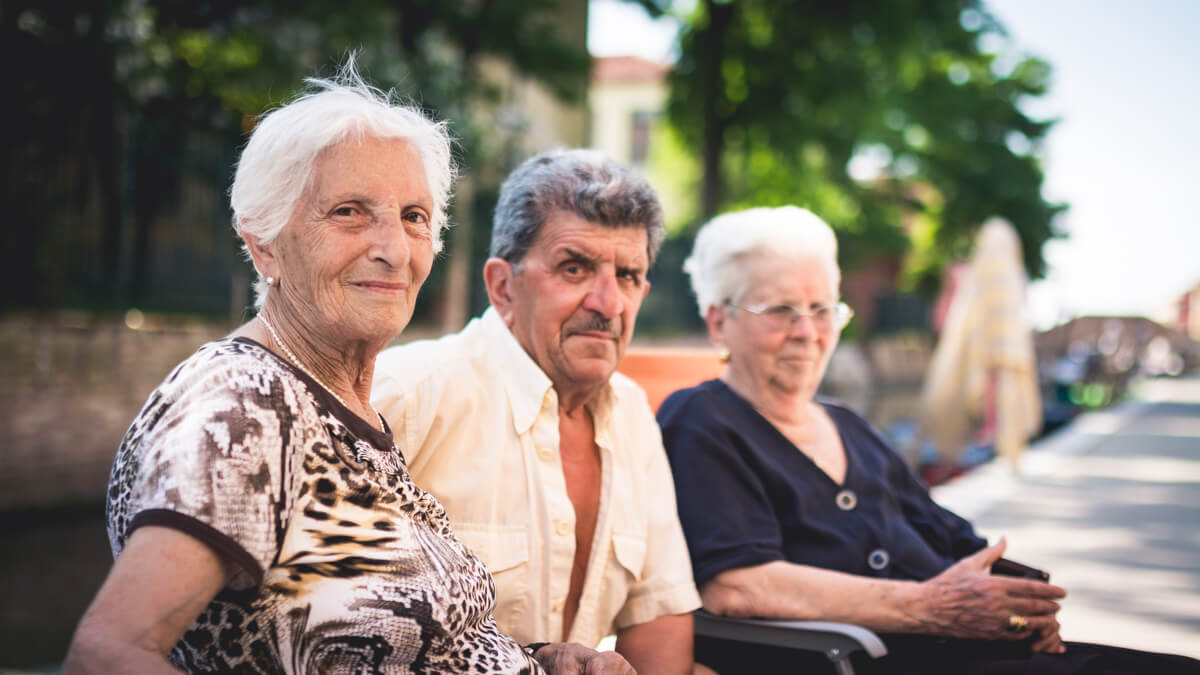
(477, 422)
(986, 341)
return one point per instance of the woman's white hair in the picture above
(275, 167)
(731, 246)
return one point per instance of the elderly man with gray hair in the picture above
(549, 463)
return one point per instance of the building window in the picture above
(643, 123)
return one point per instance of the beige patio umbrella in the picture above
(984, 372)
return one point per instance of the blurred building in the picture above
(1113, 349)
(626, 98)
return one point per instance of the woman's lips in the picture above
(382, 286)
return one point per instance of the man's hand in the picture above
(566, 658)
(968, 601)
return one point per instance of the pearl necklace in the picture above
(292, 357)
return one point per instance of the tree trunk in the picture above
(715, 118)
(457, 289)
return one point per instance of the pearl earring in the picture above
(270, 281)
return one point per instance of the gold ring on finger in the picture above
(1017, 623)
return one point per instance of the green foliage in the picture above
(786, 96)
(127, 109)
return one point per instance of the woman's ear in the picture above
(262, 255)
(498, 277)
(714, 319)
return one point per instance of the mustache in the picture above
(594, 323)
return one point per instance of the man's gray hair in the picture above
(583, 182)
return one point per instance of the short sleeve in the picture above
(726, 511)
(206, 457)
(666, 586)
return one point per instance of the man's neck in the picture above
(573, 401)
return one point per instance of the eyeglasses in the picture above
(825, 318)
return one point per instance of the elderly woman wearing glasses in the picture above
(794, 507)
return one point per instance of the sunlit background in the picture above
(1125, 153)
(905, 124)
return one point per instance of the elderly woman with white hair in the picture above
(794, 507)
(261, 517)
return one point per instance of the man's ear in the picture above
(714, 318)
(498, 277)
(263, 256)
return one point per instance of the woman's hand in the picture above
(566, 658)
(1049, 641)
(968, 601)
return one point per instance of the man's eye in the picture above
(344, 211)
(416, 217)
(821, 310)
(779, 310)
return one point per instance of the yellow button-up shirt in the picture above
(477, 422)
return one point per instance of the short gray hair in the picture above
(275, 168)
(584, 182)
(729, 246)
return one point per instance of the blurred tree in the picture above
(896, 120)
(118, 101)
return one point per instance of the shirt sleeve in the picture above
(209, 463)
(724, 507)
(666, 586)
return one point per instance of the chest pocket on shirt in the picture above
(505, 551)
(631, 553)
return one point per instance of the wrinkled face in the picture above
(783, 360)
(359, 245)
(575, 298)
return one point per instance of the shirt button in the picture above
(563, 528)
(846, 500)
(545, 453)
(878, 559)
(559, 604)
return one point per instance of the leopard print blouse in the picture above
(345, 565)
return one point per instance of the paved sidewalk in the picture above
(1110, 506)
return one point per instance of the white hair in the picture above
(729, 247)
(275, 167)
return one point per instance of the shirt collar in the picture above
(529, 389)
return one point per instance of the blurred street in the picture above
(1110, 506)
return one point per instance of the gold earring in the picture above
(723, 354)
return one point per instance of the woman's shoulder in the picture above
(840, 412)
(223, 356)
(853, 426)
(693, 403)
(220, 374)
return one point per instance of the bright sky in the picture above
(1125, 155)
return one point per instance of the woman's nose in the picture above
(803, 325)
(390, 241)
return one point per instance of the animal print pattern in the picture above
(345, 565)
